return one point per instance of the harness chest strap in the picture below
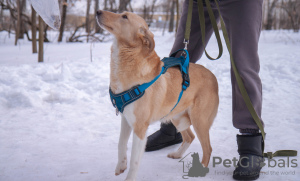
(121, 100)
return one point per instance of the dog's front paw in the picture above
(121, 167)
(174, 155)
(130, 180)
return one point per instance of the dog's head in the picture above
(128, 28)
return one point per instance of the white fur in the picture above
(114, 65)
(181, 150)
(183, 123)
(138, 148)
(129, 114)
(122, 147)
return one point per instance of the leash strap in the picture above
(202, 25)
(188, 23)
(281, 153)
(236, 73)
(214, 25)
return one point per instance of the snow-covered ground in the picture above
(57, 122)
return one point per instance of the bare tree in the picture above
(18, 27)
(113, 6)
(177, 15)
(171, 24)
(105, 4)
(87, 17)
(97, 28)
(292, 8)
(16, 8)
(1, 18)
(63, 20)
(148, 11)
(271, 4)
(166, 8)
(33, 30)
(41, 40)
(22, 26)
(123, 5)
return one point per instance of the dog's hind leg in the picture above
(201, 120)
(122, 147)
(182, 123)
(188, 137)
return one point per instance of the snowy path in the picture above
(57, 122)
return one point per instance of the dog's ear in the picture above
(147, 39)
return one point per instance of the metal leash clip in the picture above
(185, 42)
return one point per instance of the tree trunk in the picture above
(270, 16)
(18, 27)
(171, 24)
(33, 30)
(152, 12)
(87, 18)
(22, 26)
(123, 5)
(112, 5)
(97, 27)
(105, 4)
(41, 40)
(177, 15)
(165, 24)
(2, 27)
(63, 20)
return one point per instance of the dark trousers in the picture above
(243, 20)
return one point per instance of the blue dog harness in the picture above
(121, 100)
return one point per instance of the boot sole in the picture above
(238, 177)
(158, 147)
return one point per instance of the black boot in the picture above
(250, 148)
(166, 136)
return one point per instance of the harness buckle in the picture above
(185, 81)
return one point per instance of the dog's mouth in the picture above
(104, 26)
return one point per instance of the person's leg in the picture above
(243, 22)
(168, 135)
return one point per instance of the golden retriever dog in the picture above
(134, 62)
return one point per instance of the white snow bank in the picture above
(57, 122)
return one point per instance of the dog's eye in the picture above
(125, 16)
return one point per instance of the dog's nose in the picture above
(99, 12)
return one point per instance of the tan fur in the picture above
(137, 63)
